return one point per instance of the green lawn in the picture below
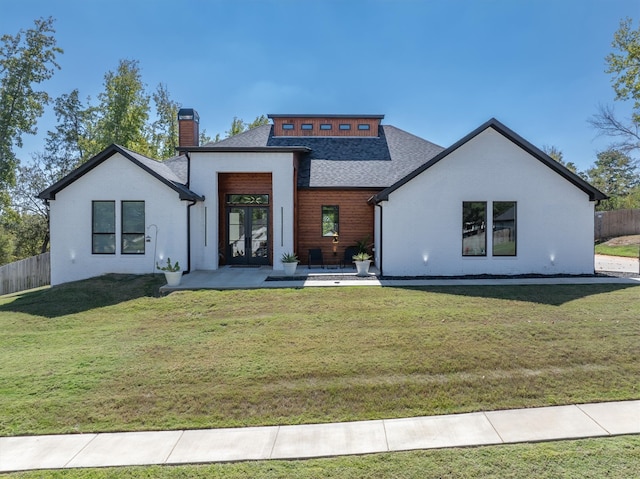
(611, 458)
(628, 250)
(108, 355)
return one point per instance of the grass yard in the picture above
(108, 355)
(611, 458)
(628, 246)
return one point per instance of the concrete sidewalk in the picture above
(319, 440)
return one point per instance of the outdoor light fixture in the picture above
(335, 242)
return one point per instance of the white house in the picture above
(490, 204)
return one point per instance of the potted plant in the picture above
(362, 261)
(289, 263)
(172, 272)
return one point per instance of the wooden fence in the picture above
(609, 224)
(25, 274)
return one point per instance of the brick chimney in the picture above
(188, 127)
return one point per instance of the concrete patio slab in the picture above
(221, 445)
(21, 453)
(616, 417)
(543, 424)
(320, 440)
(127, 448)
(440, 431)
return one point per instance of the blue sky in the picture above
(436, 68)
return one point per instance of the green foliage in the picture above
(123, 110)
(238, 126)
(624, 64)
(289, 258)
(164, 131)
(615, 174)
(556, 154)
(361, 256)
(169, 266)
(26, 59)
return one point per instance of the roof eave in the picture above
(593, 193)
(50, 193)
(244, 149)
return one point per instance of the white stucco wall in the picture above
(422, 221)
(116, 179)
(205, 167)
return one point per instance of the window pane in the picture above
(133, 227)
(103, 227)
(133, 244)
(133, 217)
(504, 228)
(104, 244)
(104, 217)
(330, 223)
(474, 239)
(247, 199)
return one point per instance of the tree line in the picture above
(123, 114)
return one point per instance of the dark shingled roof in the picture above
(345, 162)
(159, 170)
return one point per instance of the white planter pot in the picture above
(289, 268)
(362, 267)
(173, 277)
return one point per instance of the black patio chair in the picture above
(315, 257)
(348, 255)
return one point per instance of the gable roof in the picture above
(340, 162)
(155, 168)
(594, 193)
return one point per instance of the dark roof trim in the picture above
(281, 115)
(50, 193)
(244, 149)
(594, 193)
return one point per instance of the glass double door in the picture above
(247, 235)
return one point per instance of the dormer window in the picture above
(325, 126)
(287, 126)
(345, 126)
(363, 126)
(306, 126)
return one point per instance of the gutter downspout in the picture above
(191, 203)
(380, 246)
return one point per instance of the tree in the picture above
(67, 146)
(556, 154)
(26, 59)
(123, 110)
(259, 121)
(624, 64)
(165, 129)
(614, 174)
(237, 126)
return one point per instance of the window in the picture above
(504, 228)
(103, 227)
(247, 199)
(345, 126)
(287, 126)
(306, 126)
(363, 126)
(133, 227)
(330, 221)
(474, 238)
(325, 126)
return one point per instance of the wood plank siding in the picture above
(243, 183)
(356, 219)
(313, 126)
